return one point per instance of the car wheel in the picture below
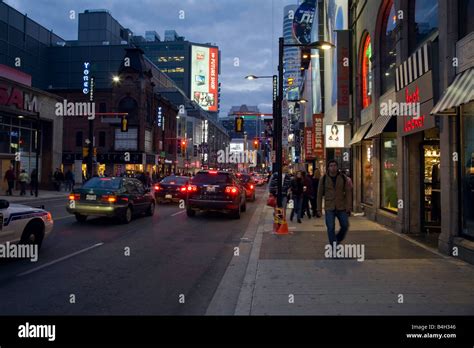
(81, 218)
(33, 233)
(151, 209)
(190, 212)
(127, 217)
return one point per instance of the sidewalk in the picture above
(282, 268)
(42, 195)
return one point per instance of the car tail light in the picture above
(109, 199)
(251, 187)
(74, 197)
(183, 189)
(213, 172)
(157, 187)
(192, 188)
(49, 217)
(231, 189)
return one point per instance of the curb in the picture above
(224, 299)
(244, 303)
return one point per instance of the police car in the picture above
(24, 224)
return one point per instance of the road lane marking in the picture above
(59, 260)
(179, 212)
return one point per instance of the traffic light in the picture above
(124, 124)
(239, 124)
(183, 146)
(255, 144)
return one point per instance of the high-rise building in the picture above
(291, 58)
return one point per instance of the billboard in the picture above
(303, 21)
(308, 143)
(204, 76)
(335, 136)
(318, 121)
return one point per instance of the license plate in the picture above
(91, 197)
(168, 196)
(211, 189)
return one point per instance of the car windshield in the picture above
(174, 180)
(211, 178)
(245, 178)
(103, 183)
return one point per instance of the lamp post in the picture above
(274, 107)
(278, 124)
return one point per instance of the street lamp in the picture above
(274, 107)
(324, 45)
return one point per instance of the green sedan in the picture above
(120, 198)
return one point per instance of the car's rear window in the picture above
(103, 183)
(213, 179)
(245, 178)
(174, 180)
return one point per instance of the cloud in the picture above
(243, 29)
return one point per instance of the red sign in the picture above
(318, 149)
(412, 123)
(308, 143)
(214, 53)
(11, 96)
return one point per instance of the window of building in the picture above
(367, 172)
(466, 14)
(426, 20)
(102, 139)
(366, 72)
(79, 138)
(126, 140)
(388, 49)
(148, 141)
(389, 173)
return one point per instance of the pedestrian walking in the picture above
(69, 180)
(33, 181)
(24, 179)
(10, 179)
(297, 191)
(315, 182)
(307, 194)
(337, 201)
(286, 186)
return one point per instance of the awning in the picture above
(461, 91)
(378, 127)
(360, 133)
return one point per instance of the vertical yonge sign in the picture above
(204, 76)
(85, 78)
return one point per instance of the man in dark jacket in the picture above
(315, 182)
(286, 180)
(297, 191)
(308, 193)
(337, 201)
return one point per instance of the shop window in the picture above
(466, 14)
(389, 173)
(468, 173)
(426, 20)
(366, 72)
(79, 138)
(388, 49)
(368, 172)
(4, 138)
(126, 140)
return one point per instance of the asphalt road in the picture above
(171, 255)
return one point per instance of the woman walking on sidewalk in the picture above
(297, 196)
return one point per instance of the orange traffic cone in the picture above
(283, 228)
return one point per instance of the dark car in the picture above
(249, 184)
(215, 191)
(120, 198)
(171, 189)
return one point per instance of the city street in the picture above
(170, 255)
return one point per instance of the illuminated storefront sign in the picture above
(20, 99)
(85, 78)
(318, 135)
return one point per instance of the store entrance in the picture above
(431, 190)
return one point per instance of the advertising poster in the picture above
(335, 136)
(318, 125)
(308, 143)
(204, 76)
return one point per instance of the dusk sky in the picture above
(243, 29)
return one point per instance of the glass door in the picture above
(431, 197)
